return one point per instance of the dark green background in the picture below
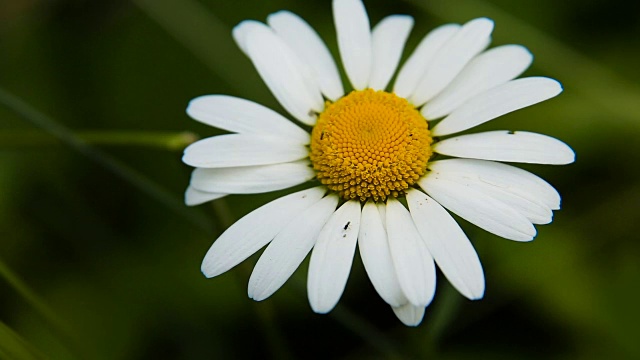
(99, 259)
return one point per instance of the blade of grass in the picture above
(597, 83)
(40, 306)
(116, 167)
(13, 346)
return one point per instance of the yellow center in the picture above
(370, 145)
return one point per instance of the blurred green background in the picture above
(99, 259)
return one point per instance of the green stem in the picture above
(126, 173)
(173, 141)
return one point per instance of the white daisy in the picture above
(369, 151)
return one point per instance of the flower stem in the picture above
(111, 164)
(172, 141)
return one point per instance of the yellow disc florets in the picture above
(370, 145)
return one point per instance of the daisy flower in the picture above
(386, 160)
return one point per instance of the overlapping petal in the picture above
(478, 208)
(500, 100)
(451, 58)
(309, 47)
(287, 250)
(409, 314)
(447, 243)
(376, 255)
(194, 197)
(503, 176)
(289, 79)
(388, 39)
(256, 229)
(244, 117)
(411, 259)
(252, 179)
(415, 67)
(242, 150)
(487, 70)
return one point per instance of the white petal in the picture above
(451, 58)
(241, 30)
(194, 197)
(411, 259)
(503, 176)
(332, 257)
(311, 49)
(244, 117)
(376, 256)
(242, 150)
(416, 66)
(478, 208)
(287, 250)
(511, 146)
(388, 39)
(410, 315)
(354, 40)
(289, 79)
(255, 230)
(252, 179)
(533, 209)
(382, 209)
(500, 100)
(447, 243)
(489, 69)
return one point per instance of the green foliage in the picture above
(100, 260)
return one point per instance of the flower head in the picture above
(371, 150)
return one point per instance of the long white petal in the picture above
(410, 315)
(255, 230)
(411, 259)
(510, 146)
(234, 150)
(500, 100)
(451, 59)
(301, 37)
(354, 40)
(332, 256)
(478, 208)
(447, 243)
(289, 79)
(287, 250)
(502, 176)
(489, 69)
(194, 197)
(252, 179)
(533, 209)
(414, 69)
(376, 256)
(388, 39)
(241, 30)
(244, 117)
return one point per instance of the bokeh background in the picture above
(99, 259)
